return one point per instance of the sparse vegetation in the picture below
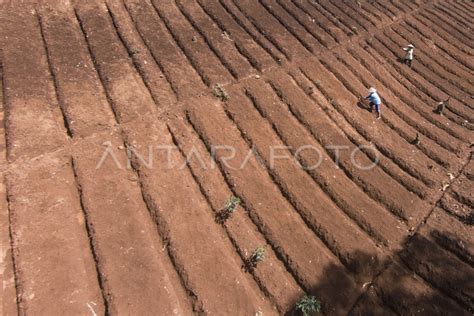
(308, 305)
(257, 255)
(229, 208)
(220, 93)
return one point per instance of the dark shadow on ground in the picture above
(425, 278)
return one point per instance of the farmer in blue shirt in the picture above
(374, 99)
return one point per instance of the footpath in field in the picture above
(214, 157)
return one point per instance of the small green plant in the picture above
(257, 255)
(134, 50)
(229, 208)
(308, 305)
(232, 204)
(220, 93)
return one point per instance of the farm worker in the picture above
(409, 55)
(374, 99)
(441, 106)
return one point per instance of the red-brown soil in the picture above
(115, 146)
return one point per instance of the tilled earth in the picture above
(126, 125)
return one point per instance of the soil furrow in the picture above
(441, 43)
(331, 26)
(257, 17)
(296, 29)
(173, 204)
(155, 286)
(347, 20)
(110, 57)
(101, 280)
(54, 79)
(266, 199)
(194, 46)
(75, 79)
(450, 25)
(454, 14)
(441, 269)
(266, 42)
(216, 39)
(273, 277)
(420, 81)
(415, 108)
(421, 166)
(315, 28)
(425, 96)
(354, 14)
(323, 161)
(241, 112)
(446, 61)
(182, 74)
(451, 234)
(240, 34)
(398, 107)
(469, 13)
(434, 27)
(157, 80)
(10, 302)
(429, 64)
(407, 293)
(27, 85)
(444, 145)
(147, 11)
(316, 121)
(37, 203)
(391, 168)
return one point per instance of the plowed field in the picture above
(127, 125)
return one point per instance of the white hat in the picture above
(372, 90)
(411, 45)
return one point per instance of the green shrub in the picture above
(220, 93)
(308, 305)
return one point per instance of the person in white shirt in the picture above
(409, 55)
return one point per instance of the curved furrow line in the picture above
(440, 43)
(370, 131)
(310, 118)
(405, 113)
(427, 85)
(386, 162)
(243, 41)
(448, 62)
(257, 23)
(446, 36)
(159, 89)
(348, 20)
(404, 90)
(348, 79)
(264, 40)
(213, 70)
(421, 92)
(454, 14)
(182, 75)
(217, 189)
(288, 22)
(431, 64)
(354, 14)
(320, 34)
(454, 28)
(341, 23)
(329, 24)
(212, 35)
(265, 196)
(319, 216)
